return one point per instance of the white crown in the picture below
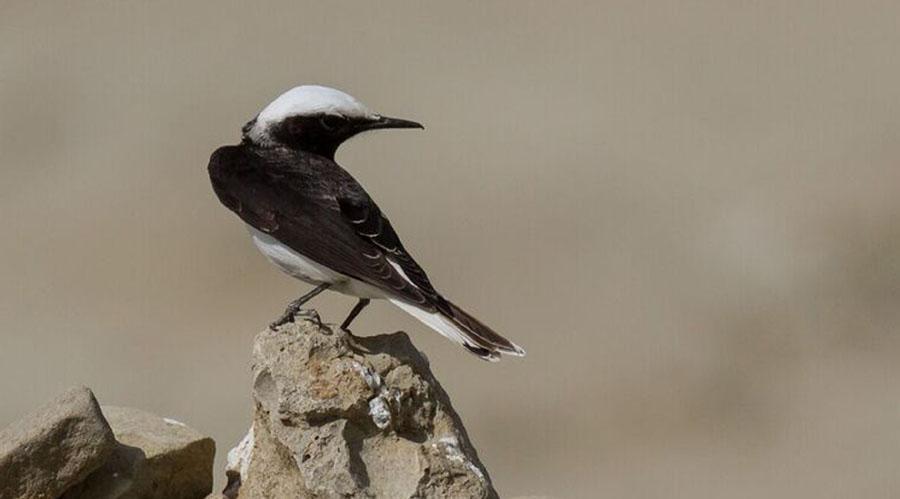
(307, 100)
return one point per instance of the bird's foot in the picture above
(291, 312)
(310, 314)
(293, 308)
(287, 316)
(284, 319)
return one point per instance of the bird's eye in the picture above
(332, 121)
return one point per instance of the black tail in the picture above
(455, 324)
(482, 340)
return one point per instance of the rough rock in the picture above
(60, 444)
(338, 415)
(156, 458)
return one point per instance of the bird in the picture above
(315, 222)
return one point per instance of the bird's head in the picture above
(315, 119)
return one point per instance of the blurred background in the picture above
(687, 212)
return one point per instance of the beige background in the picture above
(687, 212)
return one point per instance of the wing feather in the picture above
(276, 198)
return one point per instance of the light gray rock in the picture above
(338, 415)
(157, 458)
(60, 444)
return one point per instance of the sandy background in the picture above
(687, 212)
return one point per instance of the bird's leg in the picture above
(294, 306)
(361, 304)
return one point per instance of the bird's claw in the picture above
(287, 316)
(284, 319)
(291, 313)
(310, 314)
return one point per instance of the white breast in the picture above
(307, 270)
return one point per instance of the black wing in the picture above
(369, 223)
(324, 215)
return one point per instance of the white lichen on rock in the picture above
(174, 422)
(450, 446)
(379, 405)
(239, 458)
(380, 412)
(372, 379)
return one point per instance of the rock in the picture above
(156, 458)
(60, 444)
(338, 415)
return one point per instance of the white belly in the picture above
(301, 267)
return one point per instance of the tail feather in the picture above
(486, 334)
(462, 328)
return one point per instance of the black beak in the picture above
(386, 122)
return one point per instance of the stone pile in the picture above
(334, 416)
(72, 448)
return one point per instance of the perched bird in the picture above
(315, 222)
